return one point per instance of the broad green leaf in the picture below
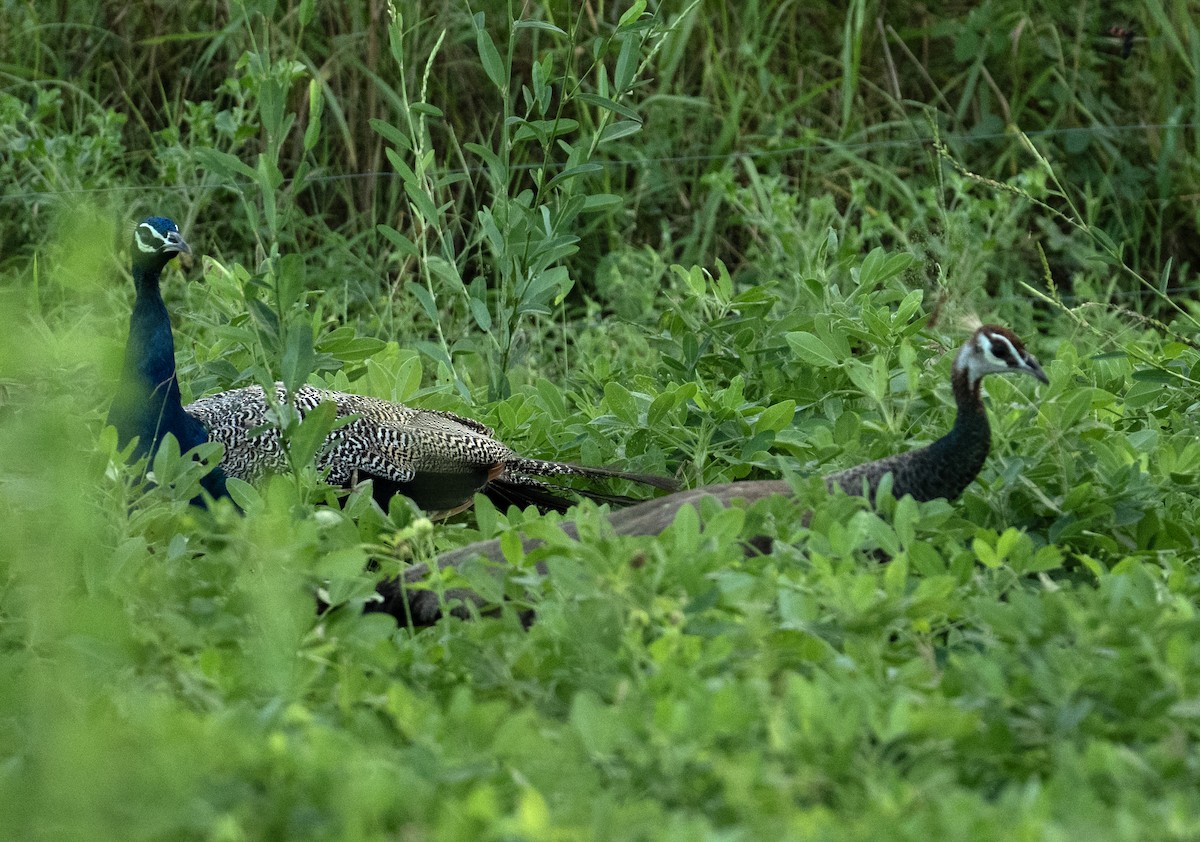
(489, 55)
(297, 360)
(774, 418)
(425, 299)
(392, 134)
(632, 14)
(812, 349)
(316, 105)
(538, 24)
(572, 172)
(627, 61)
(619, 129)
(610, 105)
(224, 164)
(424, 109)
(310, 436)
(402, 243)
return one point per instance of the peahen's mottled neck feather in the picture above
(148, 404)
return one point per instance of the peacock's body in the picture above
(438, 459)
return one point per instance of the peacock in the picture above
(942, 469)
(147, 405)
(438, 459)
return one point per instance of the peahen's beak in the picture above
(1032, 366)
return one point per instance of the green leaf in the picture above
(495, 165)
(489, 55)
(392, 134)
(597, 724)
(297, 360)
(244, 494)
(985, 553)
(316, 104)
(811, 349)
(660, 406)
(572, 172)
(289, 276)
(166, 460)
(434, 351)
(402, 243)
(1154, 375)
(909, 306)
(310, 436)
(878, 266)
(774, 418)
(538, 24)
(620, 401)
(632, 14)
(626, 63)
(619, 129)
(422, 202)
(425, 109)
(601, 201)
(341, 563)
(610, 105)
(224, 164)
(425, 299)
(477, 301)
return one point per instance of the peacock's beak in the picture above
(176, 243)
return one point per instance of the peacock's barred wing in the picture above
(383, 439)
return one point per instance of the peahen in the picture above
(941, 469)
(147, 405)
(436, 458)
(947, 466)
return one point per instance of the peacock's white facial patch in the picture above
(149, 239)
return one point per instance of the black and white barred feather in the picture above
(438, 459)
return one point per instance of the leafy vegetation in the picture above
(722, 240)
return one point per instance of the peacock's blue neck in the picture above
(150, 354)
(148, 404)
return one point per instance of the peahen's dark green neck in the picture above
(148, 404)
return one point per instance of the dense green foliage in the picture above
(724, 240)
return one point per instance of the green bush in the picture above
(725, 241)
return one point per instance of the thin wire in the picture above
(757, 154)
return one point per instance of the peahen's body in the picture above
(436, 458)
(942, 469)
(147, 405)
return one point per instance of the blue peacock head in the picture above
(155, 241)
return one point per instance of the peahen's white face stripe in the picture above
(998, 351)
(990, 353)
(148, 239)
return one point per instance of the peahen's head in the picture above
(155, 241)
(996, 350)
